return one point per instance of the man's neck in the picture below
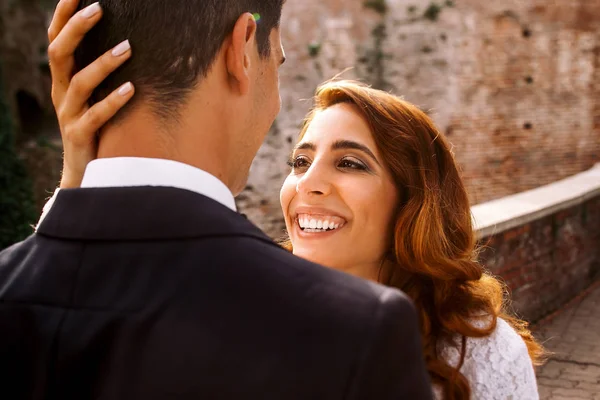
(139, 135)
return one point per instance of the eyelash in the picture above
(354, 165)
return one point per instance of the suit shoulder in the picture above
(355, 291)
(393, 301)
(13, 258)
(17, 251)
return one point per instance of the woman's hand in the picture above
(78, 121)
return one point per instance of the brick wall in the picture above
(514, 84)
(548, 261)
(529, 90)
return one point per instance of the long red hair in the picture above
(434, 254)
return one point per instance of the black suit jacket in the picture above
(161, 293)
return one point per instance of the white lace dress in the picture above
(497, 366)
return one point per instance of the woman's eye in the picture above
(352, 164)
(298, 163)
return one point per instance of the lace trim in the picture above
(497, 366)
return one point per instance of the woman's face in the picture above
(339, 199)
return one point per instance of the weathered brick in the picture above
(516, 92)
(556, 383)
(592, 387)
(545, 393)
(573, 371)
(552, 370)
(572, 393)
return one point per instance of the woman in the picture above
(373, 191)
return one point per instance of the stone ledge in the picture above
(543, 243)
(500, 215)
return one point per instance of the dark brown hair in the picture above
(434, 254)
(174, 43)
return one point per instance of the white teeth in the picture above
(317, 225)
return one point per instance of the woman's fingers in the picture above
(85, 81)
(99, 114)
(62, 49)
(70, 94)
(64, 10)
(79, 138)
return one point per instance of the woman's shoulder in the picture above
(498, 365)
(504, 343)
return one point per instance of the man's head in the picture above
(192, 56)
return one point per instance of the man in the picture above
(146, 283)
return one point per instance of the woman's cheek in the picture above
(286, 195)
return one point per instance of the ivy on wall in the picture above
(379, 6)
(17, 211)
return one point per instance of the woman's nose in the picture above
(314, 182)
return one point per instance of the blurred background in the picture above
(514, 84)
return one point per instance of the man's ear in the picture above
(239, 52)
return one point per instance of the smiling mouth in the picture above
(319, 223)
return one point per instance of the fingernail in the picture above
(91, 10)
(121, 48)
(126, 88)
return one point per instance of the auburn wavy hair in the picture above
(434, 254)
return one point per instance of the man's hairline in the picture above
(166, 115)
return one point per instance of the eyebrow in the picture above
(340, 145)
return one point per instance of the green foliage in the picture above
(376, 57)
(433, 12)
(378, 5)
(314, 49)
(17, 211)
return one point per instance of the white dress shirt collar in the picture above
(136, 171)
